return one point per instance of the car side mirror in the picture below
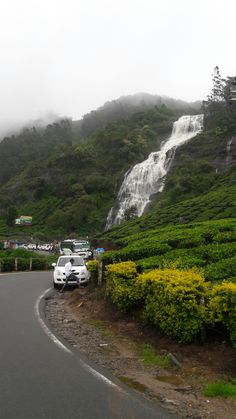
(54, 264)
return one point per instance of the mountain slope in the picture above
(69, 186)
(80, 180)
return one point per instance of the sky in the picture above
(68, 57)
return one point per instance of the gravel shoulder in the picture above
(116, 342)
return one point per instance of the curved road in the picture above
(41, 379)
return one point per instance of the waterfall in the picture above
(147, 178)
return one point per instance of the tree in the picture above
(218, 90)
(130, 213)
(11, 216)
(216, 100)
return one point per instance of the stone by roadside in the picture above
(115, 342)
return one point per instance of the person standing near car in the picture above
(69, 274)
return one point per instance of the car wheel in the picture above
(56, 286)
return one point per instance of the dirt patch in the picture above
(117, 342)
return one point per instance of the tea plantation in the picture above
(209, 245)
(182, 278)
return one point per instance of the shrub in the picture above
(21, 253)
(121, 278)
(223, 269)
(165, 261)
(174, 301)
(38, 264)
(137, 251)
(7, 264)
(92, 266)
(23, 264)
(222, 307)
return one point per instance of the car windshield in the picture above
(78, 261)
(81, 246)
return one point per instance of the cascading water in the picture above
(147, 178)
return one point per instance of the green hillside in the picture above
(69, 185)
(209, 245)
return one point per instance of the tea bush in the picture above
(223, 269)
(136, 251)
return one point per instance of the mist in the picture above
(70, 57)
(14, 127)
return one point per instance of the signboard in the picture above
(24, 220)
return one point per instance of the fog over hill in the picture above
(9, 128)
(125, 106)
(117, 109)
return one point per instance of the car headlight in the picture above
(58, 272)
(83, 272)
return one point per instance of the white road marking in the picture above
(91, 370)
(100, 376)
(43, 325)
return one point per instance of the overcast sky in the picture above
(70, 56)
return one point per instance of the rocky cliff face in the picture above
(230, 158)
(226, 158)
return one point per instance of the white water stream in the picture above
(147, 178)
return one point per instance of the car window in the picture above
(78, 261)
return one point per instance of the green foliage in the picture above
(23, 264)
(130, 213)
(136, 250)
(39, 264)
(223, 269)
(174, 301)
(178, 302)
(11, 215)
(7, 264)
(220, 389)
(149, 357)
(209, 245)
(92, 266)
(70, 188)
(222, 307)
(21, 253)
(24, 260)
(121, 278)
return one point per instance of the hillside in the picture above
(69, 185)
(124, 107)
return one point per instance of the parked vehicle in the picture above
(32, 246)
(79, 269)
(79, 247)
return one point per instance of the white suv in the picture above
(79, 269)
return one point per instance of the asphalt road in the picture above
(41, 379)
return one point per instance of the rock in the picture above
(170, 402)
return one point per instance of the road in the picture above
(42, 378)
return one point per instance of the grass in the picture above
(101, 326)
(149, 357)
(220, 389)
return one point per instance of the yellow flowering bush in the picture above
(174, 301)
(121, 278)
(92, 266)
(222, 307)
